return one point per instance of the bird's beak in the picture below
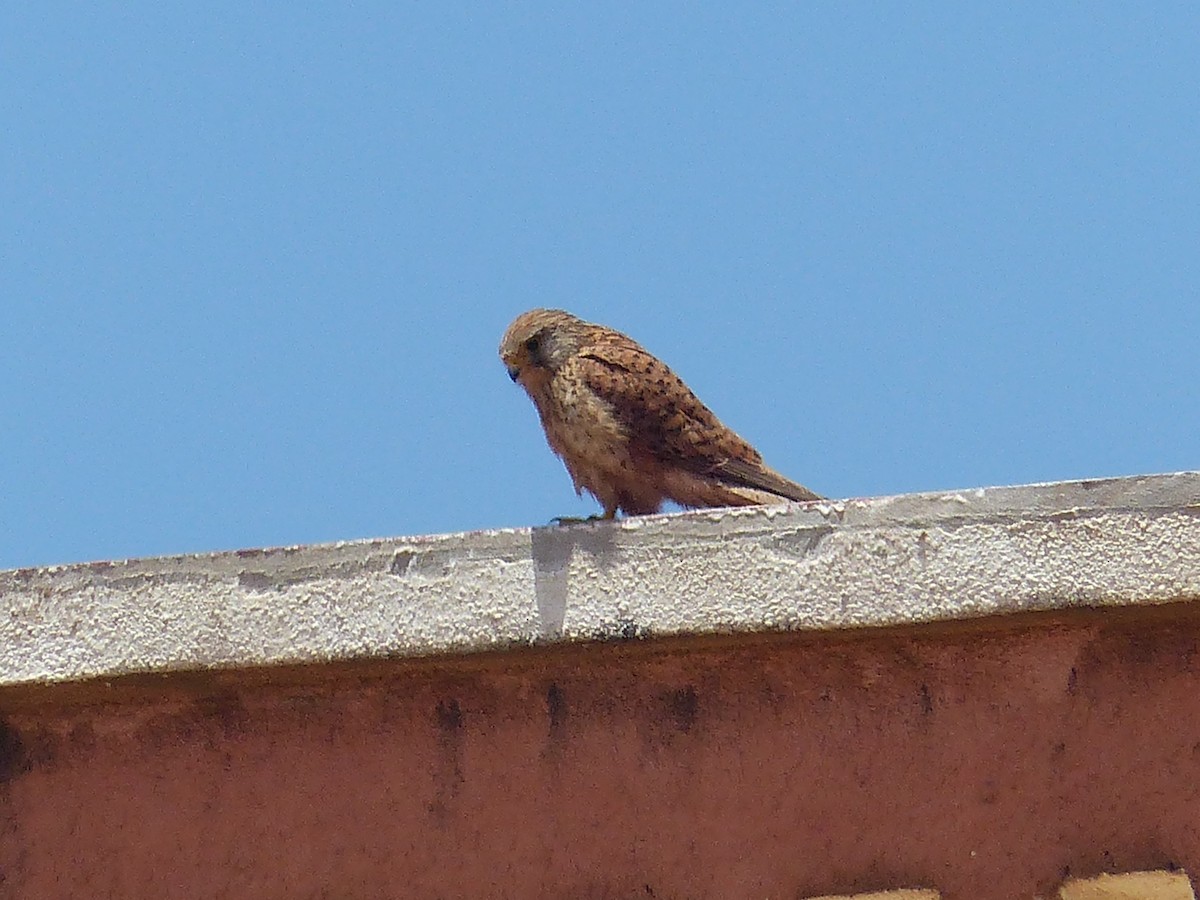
(514, 372)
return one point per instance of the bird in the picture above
(627, 428)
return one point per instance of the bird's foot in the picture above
(576, 520)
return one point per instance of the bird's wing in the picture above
(667, 420)
(740, 472)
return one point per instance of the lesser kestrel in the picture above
(629, 430)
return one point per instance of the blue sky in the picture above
(255, 259)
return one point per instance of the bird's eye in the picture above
(532, 344)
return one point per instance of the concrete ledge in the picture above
(1130, 886)
(830, 565)
(886, 895)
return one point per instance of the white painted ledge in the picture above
(827, 565)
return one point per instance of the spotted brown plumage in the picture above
(628, 429)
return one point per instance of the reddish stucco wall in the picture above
(988, 760)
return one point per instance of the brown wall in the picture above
(988, 760)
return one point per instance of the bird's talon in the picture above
(575, 520)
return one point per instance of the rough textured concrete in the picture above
(836, 564)
(1026, 709)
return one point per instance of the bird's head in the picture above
(538, 342)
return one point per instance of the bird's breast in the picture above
(582, 429)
